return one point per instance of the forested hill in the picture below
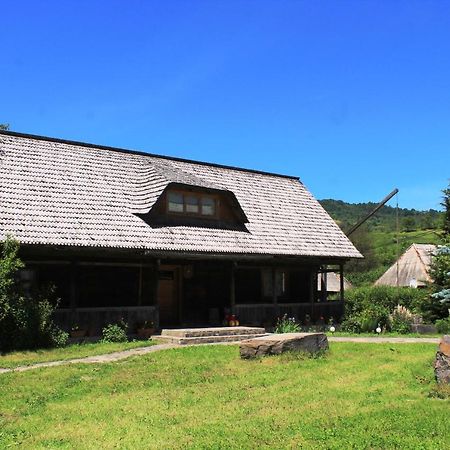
(347, 214)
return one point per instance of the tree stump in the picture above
(442, 362)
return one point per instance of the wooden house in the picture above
(129, 234)
(411, 269)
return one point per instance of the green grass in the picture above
(361, 396)
(26, 358)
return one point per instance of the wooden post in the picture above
(274, 286)
(232, 287)
(140, 286)
(323, 284)
(312, 291)
(73, 291)
(341, 280)
(155, 291)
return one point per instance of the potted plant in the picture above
(146, 330)
(77, 332)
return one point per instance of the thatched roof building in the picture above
(411, 269)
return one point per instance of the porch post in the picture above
(341, 281)
(312, 291)
(274, 286)
(140, 286)
(232, 287)
(323, 284)
(155, 291)
(73, 288)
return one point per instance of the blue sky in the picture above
(351, 96)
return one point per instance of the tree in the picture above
(4, 126)
(439, 305)
(26, 322)
(446, 204)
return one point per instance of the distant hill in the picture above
(347, 214)
(378, 239)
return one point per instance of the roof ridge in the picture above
(141, 152)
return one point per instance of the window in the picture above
(175, 202)
(208, 206)
(191, 204)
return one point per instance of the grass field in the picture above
(26, 358)
(358, 396)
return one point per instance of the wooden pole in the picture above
(140, 287)
(232, 287)
(73, 291)
(274, 286)
(341, 281)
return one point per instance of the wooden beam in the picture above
(341, 282)
(73, 287)
(274, 286)
(323, 285)
(140, 286)
(232, 286)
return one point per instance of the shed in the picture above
(411, 269)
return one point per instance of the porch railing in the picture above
(267, 313)
(94, 319)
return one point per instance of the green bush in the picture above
(115, 332)
(401, 319)
(25, 322)
(366, 308)
(443, 325)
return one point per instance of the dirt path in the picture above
(106, 358)
(117, 356)
(385, 340)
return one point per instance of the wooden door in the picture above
(168, 295)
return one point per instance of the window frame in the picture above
(199, 196)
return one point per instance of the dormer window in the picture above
(191, 204)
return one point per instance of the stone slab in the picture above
(274, 344)
(198, 340)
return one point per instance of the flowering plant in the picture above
(287, 324)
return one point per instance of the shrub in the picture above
(115, 332)
(443, 325)
(287, 324)
(366, 308)
(401, 319)
(25, 322)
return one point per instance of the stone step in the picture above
(212, 331)
(179, 340)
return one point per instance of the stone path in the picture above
(117, 356)
(385, 340)
(106, 358)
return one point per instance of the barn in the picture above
(129, 234)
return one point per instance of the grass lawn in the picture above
(26, 358)
(361, 396)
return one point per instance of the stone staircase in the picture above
(212, 335)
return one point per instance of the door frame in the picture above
(177, 280)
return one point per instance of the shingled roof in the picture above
(411, 269)
(67, 193)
